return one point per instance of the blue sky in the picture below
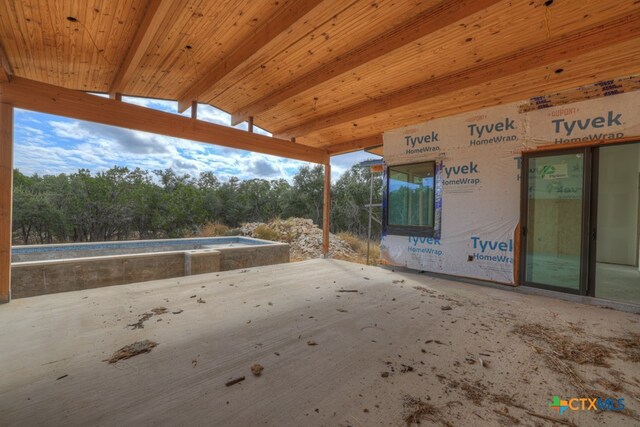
(47, 144)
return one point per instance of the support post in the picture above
(326, 211)
(250, 122)
(370, 212)
(116, 95)
(6, 198)
(194, 110)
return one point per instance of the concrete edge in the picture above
(527, 290)
(154, 241)
(108, 257)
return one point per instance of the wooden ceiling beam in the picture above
(36, 96)
(5, 67)
(355, 145)
(157, 11)
(556, 49)
(444, 14)
(271, 29)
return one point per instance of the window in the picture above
(411, 199)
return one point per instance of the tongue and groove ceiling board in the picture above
(320, 70)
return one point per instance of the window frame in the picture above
(410, 230)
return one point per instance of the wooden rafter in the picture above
(271, 29)
(32, 95)
(157, 11)
(358, 144)
(5, 67)
(560, 48)
(421, 25)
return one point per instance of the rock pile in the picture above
(302, 235)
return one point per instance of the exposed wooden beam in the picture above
(5, 67)
(326, 209)
(157, 11)
(116, 95)
(6, 197)
(355, 145)
(421, 25)
(271, 29)
(556, 49)
(194, 110)
(250, 124)
(36, 96)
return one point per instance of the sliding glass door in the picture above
(555, 219)
(581, 221)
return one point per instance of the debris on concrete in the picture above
(194, 362)
(398, 281)
(445, 307)
(178, 311)
(140, 323)
(419, 411)
(563, 347)
(256, 369)
(629, 346)
(146, 316)
(201, 301)
(63, 376)
(233, 382)
(341, 310)
(312, 343)
(131, 350)
(406, 368)
(347, 290)
(385, 374)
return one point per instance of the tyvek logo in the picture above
(566, 128)
(424, 245)
(461, 174)
(420, 140)
(599, 122)
(483, 249)
(477, 132)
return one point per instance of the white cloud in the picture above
(47, 144)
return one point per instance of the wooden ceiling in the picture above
(333, 74)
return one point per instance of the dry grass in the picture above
(629, 346)
(212, 229)
(419, 411)
(265, 232)
(564, 348)
(359, 246)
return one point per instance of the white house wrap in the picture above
(478, 158)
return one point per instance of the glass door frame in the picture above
(586, 258)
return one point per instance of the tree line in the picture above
(124, 204)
